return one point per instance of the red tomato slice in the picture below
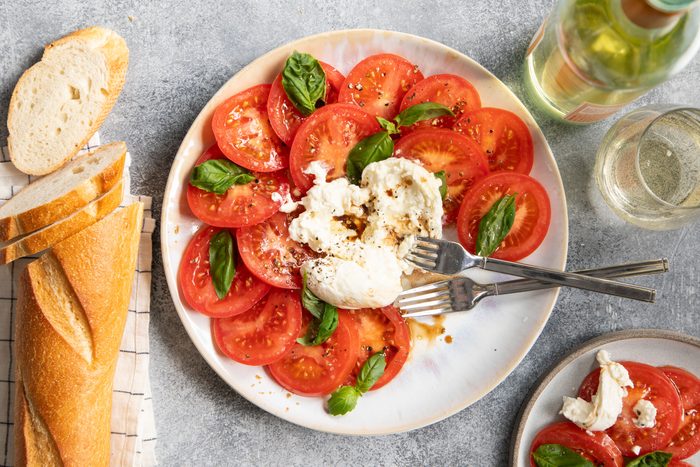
(197, 287)
(241, 205)
(378, 83)
(284, 117)
(263, 334)
(452, 91)
(328, 135)
(651, 384)
(595, 446)
(243, 132)
(381, 329)
(686, 442)
(271, 255)
(676, 463)
(503, 136)
(532, 213)
(440, 149)
(319, 370)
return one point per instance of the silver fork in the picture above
(462, 293)
(449, 258)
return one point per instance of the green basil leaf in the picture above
(443, 188)
(556, 455)
(652, 459)
(374, 148)
(218, 175)
(419, 112)
(388, 126)
(311, 302)
(304, 81)
(222, 267)
(371, 371)
(320, 330)
(495, 225)
(343, 400)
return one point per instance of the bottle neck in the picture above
(642, 14)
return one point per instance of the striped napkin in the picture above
(133, 426)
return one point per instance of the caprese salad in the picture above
(625, 414)
(312, 196)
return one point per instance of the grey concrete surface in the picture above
(182, 51)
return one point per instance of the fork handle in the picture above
(570, 279)
(623, 270)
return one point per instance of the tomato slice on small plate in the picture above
(263, 334)
(686, 442)
(197, 286)
(378, 84)
(328, 135)
(596, 446)
(284, 117)
(651, 384)
(532, 213)
(271, 255)
(452, 91)
(503, 136)
(241, 205)
(244, 134)
(441, 149)
(320, 369)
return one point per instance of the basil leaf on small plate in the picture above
(304, 82)
(344, 399)
(419, 112)
(325, 318)
(222, 266)
(652, 459)
(374, 148)
(218, 175)
(556, 455)
(495, 225)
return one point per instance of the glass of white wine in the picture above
(648, 166)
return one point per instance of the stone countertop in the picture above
(183, 51)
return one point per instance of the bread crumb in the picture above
(131, 18)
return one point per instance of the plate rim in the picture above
(171, 279)
(553, 371)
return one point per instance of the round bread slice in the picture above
(60, 194)
(59, 103)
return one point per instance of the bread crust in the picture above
(116, 54)
(63, 400)
(64, 206)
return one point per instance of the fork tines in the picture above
(424, 253)
(430, 299)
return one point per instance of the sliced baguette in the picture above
(60, 102)
(63, 192)
(54, 233)
(71, 311)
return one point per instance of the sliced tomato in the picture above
(378, 84)
(284, 117)
(677, 463)
(440, 149)
(263, 334)
(381, 329)
(271, 255)
(328, 135)
(241, 205)
(532, 213)
(651, 384)
(244, 134)
(318, 370)
(686, 442)
(595, 446)
(197, 286)
(503, 136)
(452, 91)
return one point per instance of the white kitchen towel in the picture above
(133, 426)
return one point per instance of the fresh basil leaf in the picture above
(556, 455)
(419, 112)
(443, 188)
(495, 225)
(343, 400)
(374, 148)
(388, 126)
(320, 330)
(652, 459)
(371, 371)
(222, 267)
(304, 81)
(311, 302)
(218, 175)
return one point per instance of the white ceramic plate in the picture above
(439, 379)
(651, 346)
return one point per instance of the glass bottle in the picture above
(592, 57)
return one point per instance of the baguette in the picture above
(62, 193)
(61, 101)
(54, 233)
(71, 312)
